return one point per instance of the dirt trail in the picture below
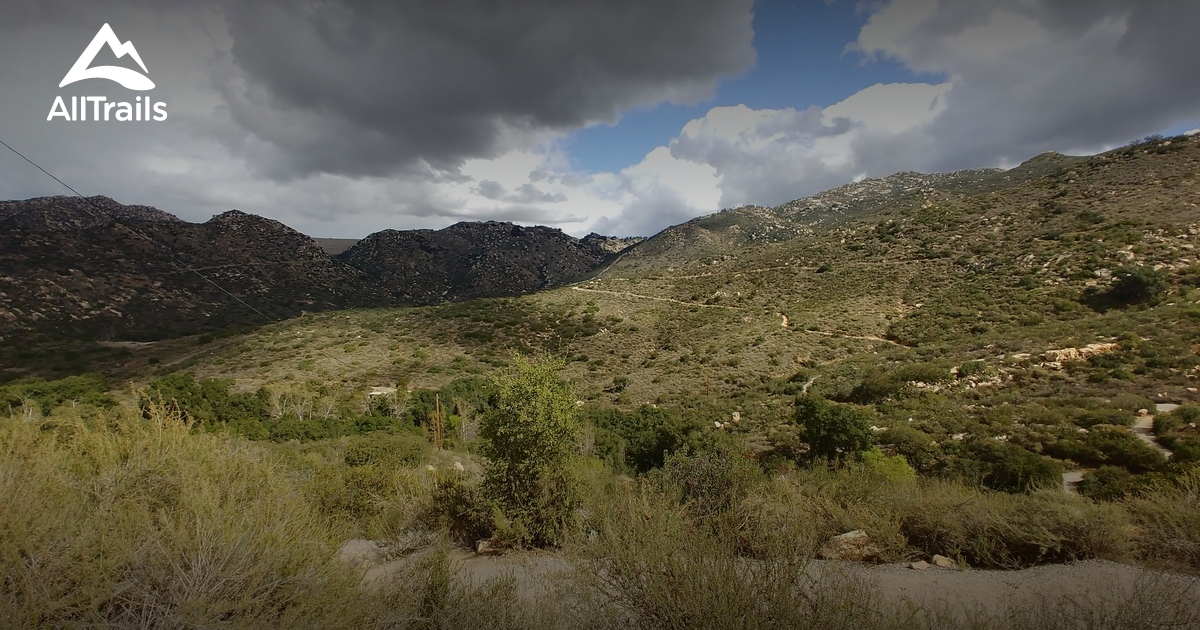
(659, 299)
(734, 308)
(859, 337)
(958, 591)
(1143, 428)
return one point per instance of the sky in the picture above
(345, 117)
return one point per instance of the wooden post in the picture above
(437, 421)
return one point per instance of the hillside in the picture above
(471, 260)
(981, 305)
(71, 271)
(102, 271)
(972, 304)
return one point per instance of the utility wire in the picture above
(119, 221)
(122, 223)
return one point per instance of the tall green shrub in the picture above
(834, 431)
(529, 438)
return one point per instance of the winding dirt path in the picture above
(1143, 428)
(859, 337)
(823, 333)
(659, 299)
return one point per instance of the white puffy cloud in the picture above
(1014, 78)
(770, 156)
(1035, 75)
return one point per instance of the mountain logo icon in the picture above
(130, 79)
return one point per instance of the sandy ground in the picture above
(963, 592)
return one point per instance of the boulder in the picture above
(855, 546)
(919, 565)
(943, 562)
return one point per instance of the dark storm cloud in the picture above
(517, 213)
(369, 87)
(490, 189)
(528, 193)
(524, 194)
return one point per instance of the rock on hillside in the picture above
(611, 244)
(69, 270)
(472, 260)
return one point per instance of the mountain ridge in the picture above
(95, 268)
(72, 271)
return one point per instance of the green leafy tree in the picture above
(834, 431)
(529, 438)
(1136, 285)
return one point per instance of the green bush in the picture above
(529, 436)
(877, 386)
(640, 440)
(208, 401)
(385, 450)
(921, 373)
(971, 368)
(1004, 466)
(1185, 447)
(1107, 483)
(893, 468)
(915, 446)
(1134, 285)
(834, 431)
(1165, 423)
(709, 482)
(463, 511)
(1121, 448)
(88, 389)
(1107, 445)
(1114, 417)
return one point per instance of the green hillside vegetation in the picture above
(143, 518)
(918, 357)
(933, 300)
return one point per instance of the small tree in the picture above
(529, 438)
(1137, 285)
(834, 431)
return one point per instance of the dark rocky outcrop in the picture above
(474, 259)
(97, 269)
(70, 269)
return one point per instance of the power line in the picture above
(119, 221)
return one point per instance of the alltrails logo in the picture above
(140, 109)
